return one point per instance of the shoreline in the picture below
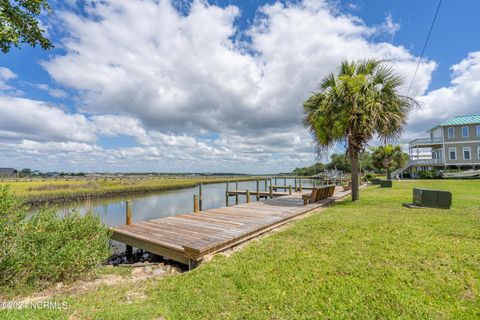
(61, 198)
(106, 195)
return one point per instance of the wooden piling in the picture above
(258, 189)
(290, 189)
(247, 196)
(266, 188)
(271, 192)
(236, 196)
(128, 220)
(284, 182)
(200, 197)
(195, 204)
(300, 184)
(295, 184)
(128, 212)
(227, 195)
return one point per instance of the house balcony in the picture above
(426, 162)
(425, 143)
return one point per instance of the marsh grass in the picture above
(41, 190)
(43, 249)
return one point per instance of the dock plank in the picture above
(189, 237)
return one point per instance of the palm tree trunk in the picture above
(354, 154)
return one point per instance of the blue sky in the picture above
(218, 85)
(454, 33)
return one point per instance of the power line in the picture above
(424, 46)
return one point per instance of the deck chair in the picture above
(348, 186)
(322, 194)
(331, 191)
(309, 198)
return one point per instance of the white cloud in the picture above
(30, 119)
(116, 125)
(190, 89)
(54, 92)
(187, 73)
(389, 26)
(461, 97)
(5, 76)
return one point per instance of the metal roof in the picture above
(458, 120)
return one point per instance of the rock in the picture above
(137, 271)
(147, 269)
(158, 272)
(59, 285)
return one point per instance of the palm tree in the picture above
(359, 102)
(389, 157)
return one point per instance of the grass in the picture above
(42, 190)
(372, 259)
(44, 249)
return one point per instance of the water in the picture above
(166, 203)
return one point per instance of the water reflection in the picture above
(166, 203)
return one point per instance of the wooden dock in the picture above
(260, 193)
(187, 238)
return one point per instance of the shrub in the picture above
(43, 249)
(427, 174)
(369, 176)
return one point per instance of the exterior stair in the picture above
(402, 169)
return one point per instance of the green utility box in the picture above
(430, 199)
(376, 181)
(386, 183)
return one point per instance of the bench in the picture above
(318, 194)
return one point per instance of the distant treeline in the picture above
(379, 159)
(338, 161)
(32, 173)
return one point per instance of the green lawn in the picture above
(372, 259)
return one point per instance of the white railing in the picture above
(425, 141)
(425, 161)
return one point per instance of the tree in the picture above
(25, 172)
(360, 101)
(366, 160)
(19, 23)
(339, 161)
(309, 171)
(389, 157)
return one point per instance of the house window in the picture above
(467, 153)
(452, 153)
(451, 132)
(478, 130)
(465, 132)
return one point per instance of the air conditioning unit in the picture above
(430, 199)
(386, 183)
(376, 181)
